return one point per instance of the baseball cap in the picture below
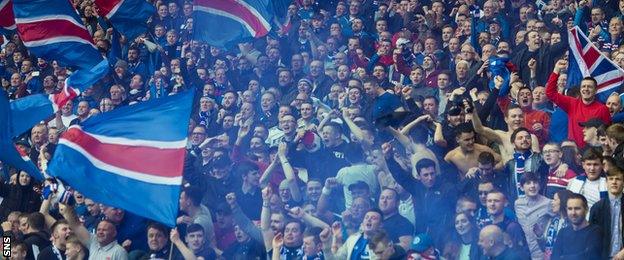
(592, 122)
(421, 243)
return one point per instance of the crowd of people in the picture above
(357, 129)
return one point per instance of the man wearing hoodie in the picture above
(34, 236)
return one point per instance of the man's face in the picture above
(593, 169)
(576, 211)
(531, 188)
(288, 124)
(443, 81)
(596, 16)
(431, 107)
(252, 178)
(552, 154)
(16, 80)
(313, 190)
(38, 135)
(485, 243)
(198, 135)
(310, 247)
(293, 235)
(447, 33)
(277, 223)
(522, 141)
(466, 141)
(615, 184)
(428, 176)
(105, 233)
(195, 240)
(525, 97)
(156, 239)
(588, 90)
(495, 203)
(372, 221)
(240, 234)
(23, 225)
(614, 104)
(515, 118)
(388, 201)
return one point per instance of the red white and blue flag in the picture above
(223, 23)
(586, 60)
(129, 17)
(7, 20)
(131, 158)
(52, 29)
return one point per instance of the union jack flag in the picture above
(586, 60)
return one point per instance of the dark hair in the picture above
(424, 163)
(376, 210)
(194, 194)
(563, 195)
(36, 221)
(464, 128)
(515, 133)
(579, 197)
(486, 158)
(58, 223)
(529, 176)
(335, 126)
(591, 154)
(592, 80)
(194, 228)
(159, 227)
(243, 168)
(313, 232)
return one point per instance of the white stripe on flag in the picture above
(135, 142)
(119, 171)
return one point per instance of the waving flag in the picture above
(129, 17)
(52, 29)
(133, 155)
(586, 60)
(12, 126)
(226, 22)
(7, 20)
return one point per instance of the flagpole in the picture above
(171, 250)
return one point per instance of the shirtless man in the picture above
(514, 120)
(466, 155)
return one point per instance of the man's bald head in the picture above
(491, 240)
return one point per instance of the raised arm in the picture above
(356, 130)
(289, 172)
(77, 228)
(265, 218)
(402, 138)
(559, 99)
(484, 130)
(242, 220)
(184, 250)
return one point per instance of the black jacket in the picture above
(39, 239)
(600, 214)
(18, 198)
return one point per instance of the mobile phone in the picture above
(35, 73)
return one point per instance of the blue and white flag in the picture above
(130, 158)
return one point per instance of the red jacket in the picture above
(577, 111)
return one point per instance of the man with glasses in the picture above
(556, 181)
